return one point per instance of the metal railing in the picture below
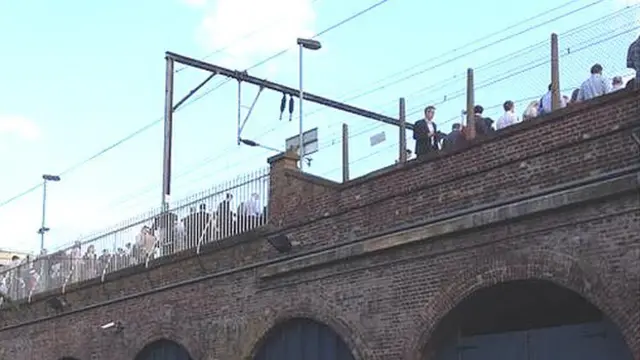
(223, 211)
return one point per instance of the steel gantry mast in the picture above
(241, 76)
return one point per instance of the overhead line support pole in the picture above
(168, 133)
(239, 110)
(283, 89)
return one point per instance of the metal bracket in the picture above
(106, 266)
(241, 124)
(204, 232)
(194, 90)
(150, 253)
(67, 279)
(30, 295)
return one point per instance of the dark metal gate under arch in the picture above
(305, 339)
(163, 350)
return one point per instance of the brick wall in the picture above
(585, 140)
(384, 304)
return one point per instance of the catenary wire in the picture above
(151, 124)
(93, 157)
(470, 43)
(241, 39)
(513, 72)
(381, 87)
(493, 63)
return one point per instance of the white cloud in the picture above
(13, 125)
(251, 29)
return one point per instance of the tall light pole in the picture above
(309, 44)
(43, 228)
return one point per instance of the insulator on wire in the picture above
(249, 142)
(290, 108)
(283, 104)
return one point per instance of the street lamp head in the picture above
(51, 177)
(43, 230)
(309, 44)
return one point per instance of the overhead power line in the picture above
(372, 88)
(467, 53)
(471, 43)
(223, 153)
(243, 38)
(157, 121)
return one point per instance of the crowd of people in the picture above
(429, 139)
(165, 234)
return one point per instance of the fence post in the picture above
(555, 74)
(471, 126)
(402, 143)
(345, 153)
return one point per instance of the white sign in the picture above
(378, 138)
(309, 141)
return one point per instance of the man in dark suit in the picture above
(425, 133)
(483, 124)
(455, 139)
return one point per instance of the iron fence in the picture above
(223, 211)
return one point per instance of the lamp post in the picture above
(43, 229)
(309, 44)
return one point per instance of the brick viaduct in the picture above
(384, 258)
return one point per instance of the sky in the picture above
(77, 77)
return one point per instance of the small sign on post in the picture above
(378, 138)
(309, 142)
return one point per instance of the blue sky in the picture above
(77, 76)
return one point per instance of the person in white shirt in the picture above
(595, 85)
(252, 206)
(545, 103)
(616, 83)
(509, 117)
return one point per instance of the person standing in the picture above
(425, 133)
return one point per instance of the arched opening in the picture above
(302, 338)
(163, 350)
(526, 320)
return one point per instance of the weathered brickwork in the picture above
(384, 301)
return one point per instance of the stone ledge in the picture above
(543, 203)
(172, 259)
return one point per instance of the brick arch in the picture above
(316, 310)
(68, 357)
(558, 268)
(140, 341)
(81, 349)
